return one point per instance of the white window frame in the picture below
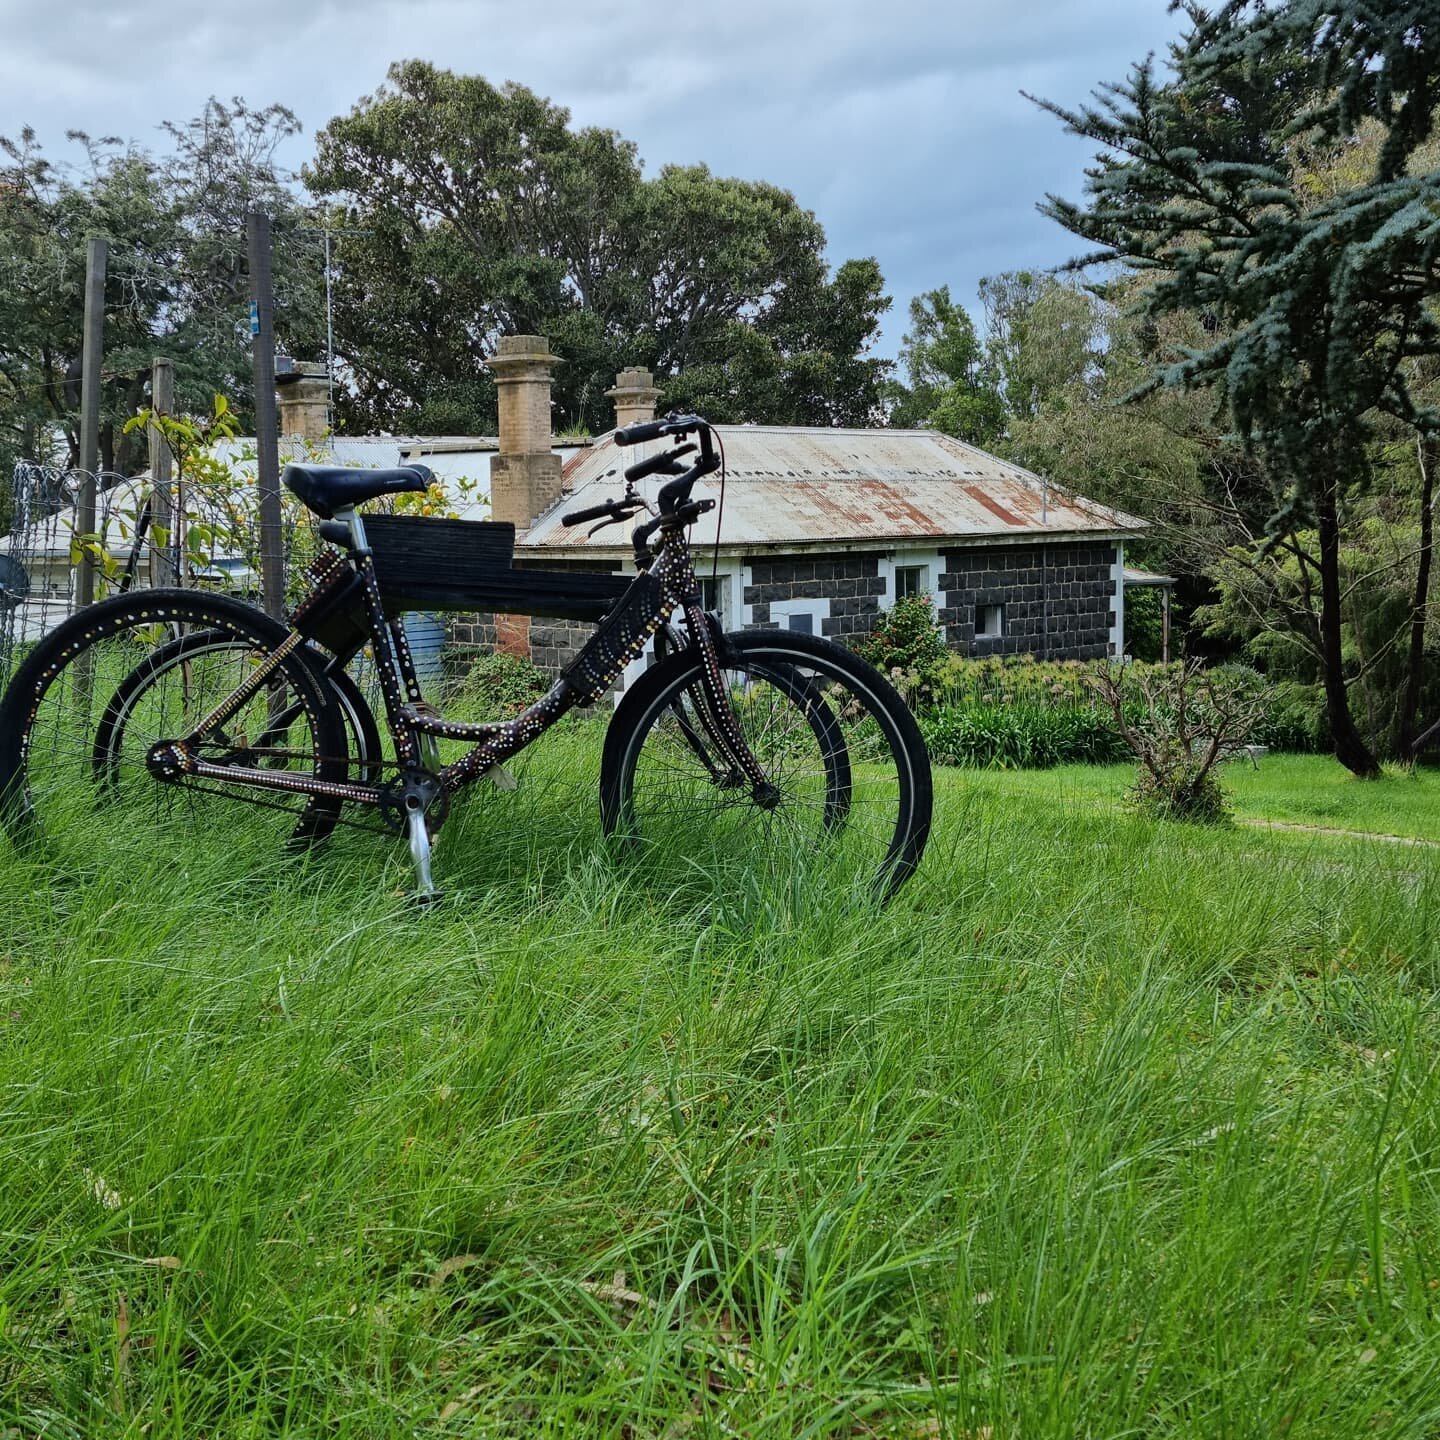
(922, 583)
(725, 584)
(999, 608)
(928, 561)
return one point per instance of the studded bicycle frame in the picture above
(665, 583)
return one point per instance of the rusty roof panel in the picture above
(801, 486)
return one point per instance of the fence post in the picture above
(162, 511)
(267, 438)
(92, 355)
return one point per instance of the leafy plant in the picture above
(1021, 736)
(500, 684)
(1188, 721)
(904, 637)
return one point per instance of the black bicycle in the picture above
(764, 744)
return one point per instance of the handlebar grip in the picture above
(663, 462)
(635, 434)
(595, 512)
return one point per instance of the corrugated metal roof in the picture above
(1147, 579)
(803, 487)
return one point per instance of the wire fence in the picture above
(204, 535)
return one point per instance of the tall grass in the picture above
(1103, 1128)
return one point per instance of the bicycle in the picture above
(782, 744)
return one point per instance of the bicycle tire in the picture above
(880, 727)
(63, 695)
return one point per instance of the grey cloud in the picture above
(901, 124)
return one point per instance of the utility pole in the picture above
(328, 233)
(267, 436)
(162, 510)
(92, 356)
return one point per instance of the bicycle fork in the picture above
(717, 714)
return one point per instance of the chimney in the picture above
(525, 475)
(634, 396)
(302, 393)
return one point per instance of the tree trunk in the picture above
(1350, 747)
(1429, 452)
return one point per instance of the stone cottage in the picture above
(821, 529)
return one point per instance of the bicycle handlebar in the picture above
(595, 512)
(664, 462)
(654, 429)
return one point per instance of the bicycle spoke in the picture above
(136, 685)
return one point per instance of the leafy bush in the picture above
(1185, 723)
(1294, 719)
(499, 684)
(904, 636)
(1020, 736)
(1017, 710)
(1184, 794)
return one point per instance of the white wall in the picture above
(934, 567)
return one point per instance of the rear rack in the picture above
(429, 564)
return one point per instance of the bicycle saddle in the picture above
(328, 488)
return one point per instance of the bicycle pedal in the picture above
(501, 778)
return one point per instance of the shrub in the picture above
(1185, 723)
(904, 637)
(1020, 736)
(500, 684)
(1294, 719)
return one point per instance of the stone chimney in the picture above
(302, 394)
(525, 475)
(634, 396)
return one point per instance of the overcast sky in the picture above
(899, 122)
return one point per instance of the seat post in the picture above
(349, 516)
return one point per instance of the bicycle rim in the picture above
(96, 699)
(852, 777)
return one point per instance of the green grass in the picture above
(1104, 1128)
(1309, 791)
(1314, 790)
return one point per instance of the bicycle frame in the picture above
(663, 586)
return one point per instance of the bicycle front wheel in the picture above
(849, 770)
(84, 713)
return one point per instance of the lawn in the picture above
(1104, 1128)
(1309, 793)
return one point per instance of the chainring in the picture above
(421, 784)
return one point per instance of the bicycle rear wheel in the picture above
(363, 745)
(83, 712)
(833, 737)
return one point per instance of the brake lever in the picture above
(622, 510)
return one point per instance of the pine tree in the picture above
(1317, 310)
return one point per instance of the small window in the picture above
(714, 591)
(803, 623)
(909, 580)
(989, 622)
